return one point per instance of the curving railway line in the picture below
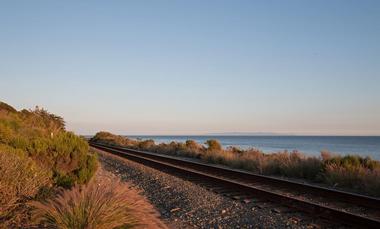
(337, 206)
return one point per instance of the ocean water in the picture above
(312, 145)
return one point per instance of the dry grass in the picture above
(97, 205)
(354, 172)
(105, 202)
(20, 179)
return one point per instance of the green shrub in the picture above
(72, 161)
(85, 173)
(64, 181)
(42, 136)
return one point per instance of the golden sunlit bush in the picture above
(213, 145)
(20, 179)
(356, 173)
(147, 145)
(193, 149)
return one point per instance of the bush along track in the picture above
(351, 173)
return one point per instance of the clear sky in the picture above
(194, 67)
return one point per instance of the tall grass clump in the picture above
(359, 174)
(100, 204)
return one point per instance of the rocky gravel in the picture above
(183, 204)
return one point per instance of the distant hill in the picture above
(247, 134)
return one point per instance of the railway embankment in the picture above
(185, 204)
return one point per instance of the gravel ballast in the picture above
(183, 204)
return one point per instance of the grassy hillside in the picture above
(37, 154)
(352, 172)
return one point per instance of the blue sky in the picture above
(194, 67)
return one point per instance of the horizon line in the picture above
(245, 135)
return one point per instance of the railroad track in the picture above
(337, 206)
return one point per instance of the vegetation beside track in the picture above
(351, 172)
(46, 176)
(37, 155)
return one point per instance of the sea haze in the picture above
(311, 145)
